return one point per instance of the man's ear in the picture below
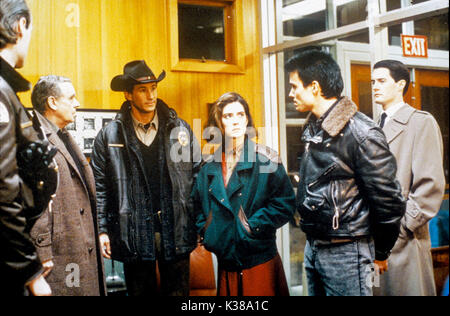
(51, 103)
(401, 84)
(127, 95)
(316, 89)
(21, 26)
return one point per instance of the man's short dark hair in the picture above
(11, 11)
(316, 65)
(47, 86)
(397, 69)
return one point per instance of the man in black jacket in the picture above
(144, 166)
(20, 267)
(349, 200)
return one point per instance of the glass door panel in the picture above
(432, 96)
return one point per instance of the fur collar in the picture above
(339, 116)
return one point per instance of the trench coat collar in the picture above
(217, 186)
(53, 138)
(398, 122)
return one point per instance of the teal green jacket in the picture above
(238, 223)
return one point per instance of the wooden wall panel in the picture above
(112, 32)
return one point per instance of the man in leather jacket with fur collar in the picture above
(349, 200)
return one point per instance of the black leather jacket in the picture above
(121, 184)
(348, 185)
(18, 259)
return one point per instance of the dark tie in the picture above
(383, 119)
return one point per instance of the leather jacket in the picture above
(348, 186)
(19, 262)
(121, 184)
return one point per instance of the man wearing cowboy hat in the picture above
(143, 188)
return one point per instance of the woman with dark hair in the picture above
(241, 200)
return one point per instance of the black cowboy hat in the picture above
(135, 72)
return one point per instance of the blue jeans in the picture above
(340, 269)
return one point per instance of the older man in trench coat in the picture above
(415, 140)
(66, 236)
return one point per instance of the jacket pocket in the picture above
(247, 244)
(313, 201)
(218, 237)
(207, 223)
(244, 221)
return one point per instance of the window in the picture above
(206, 35)
(436, 29)
(349, 12)
(303, 18)
(302, 23)
(201, 32)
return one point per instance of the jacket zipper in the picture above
(335, 223)
(331, 168)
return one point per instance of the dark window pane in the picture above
(436, 29)
(394, 32)
(201, 32)
(295, 147)
(393, 5)
(297, 248)
(358, 38)
(352, 12)
(435, 100)
(306, 25)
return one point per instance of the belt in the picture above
(332, 241)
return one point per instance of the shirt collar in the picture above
(393, 109)
(154, 122)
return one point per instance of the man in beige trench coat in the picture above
(66, 236)
(415, 140)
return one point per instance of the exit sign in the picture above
(415, 46)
